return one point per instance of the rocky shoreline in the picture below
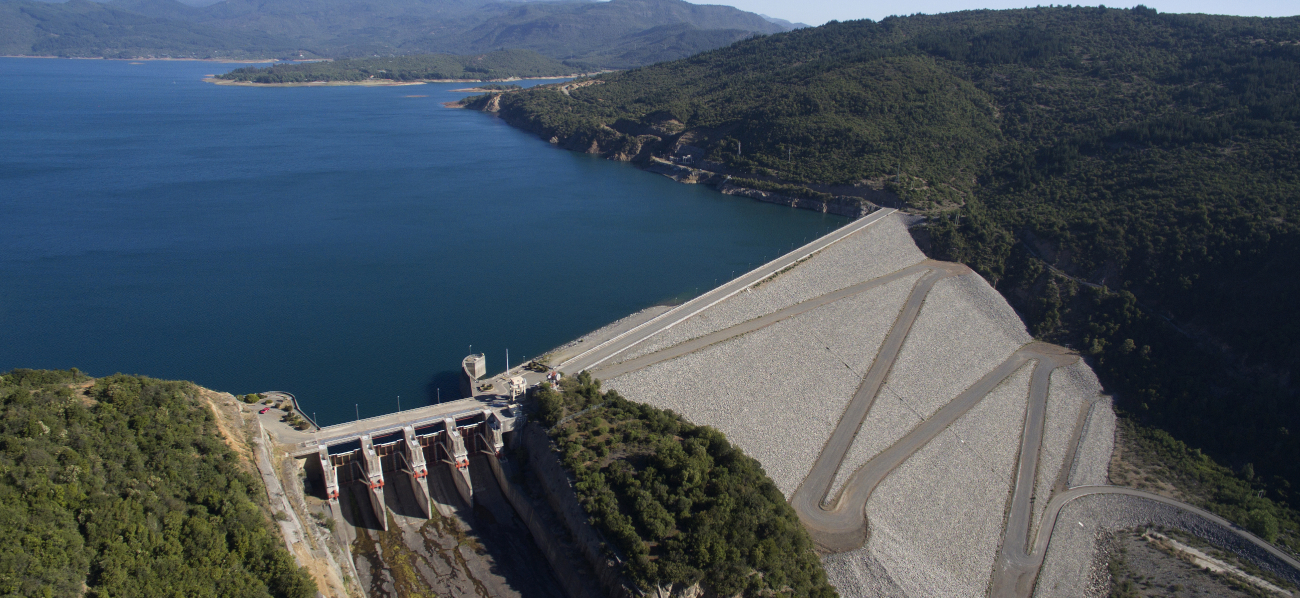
(646, 148)
(381, 82)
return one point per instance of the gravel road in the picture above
(959, 336)
(946, 540)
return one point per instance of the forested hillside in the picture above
(503, 64)
(679, 501)
(587, 35)
(1129, 180)
(81, 28)
(604, 35)
(124, 487)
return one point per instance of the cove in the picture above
(345, 244)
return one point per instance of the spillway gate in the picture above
(409, 449)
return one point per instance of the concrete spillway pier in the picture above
(374, 478)
(456, 456)
(413, 454)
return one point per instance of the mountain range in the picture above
(585, 34)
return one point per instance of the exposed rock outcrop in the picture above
(842, 205)
(644, 144)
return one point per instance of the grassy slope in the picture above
(1153, 157)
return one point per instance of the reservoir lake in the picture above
(345, 244)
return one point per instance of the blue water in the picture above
(345, 244)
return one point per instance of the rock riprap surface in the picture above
(903, 409)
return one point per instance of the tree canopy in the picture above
(679, 502)
(129, 490)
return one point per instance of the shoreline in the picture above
(389, 82)
(850, 205)
(229, 60)
(364, 83)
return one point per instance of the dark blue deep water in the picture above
(346, 244)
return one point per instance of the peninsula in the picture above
(502, 65)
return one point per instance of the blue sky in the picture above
(816, 12)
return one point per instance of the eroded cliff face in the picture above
(664, 147)
(842, 205)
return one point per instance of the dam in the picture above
(408, 442)
(395, 487)
(903, 377)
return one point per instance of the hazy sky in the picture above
(816, 12)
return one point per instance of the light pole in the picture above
(399, 403)
(358, 408)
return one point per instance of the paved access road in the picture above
(1049, 358)
(610, 371)
(594, 357)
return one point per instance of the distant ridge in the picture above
(784, 23)
(584, 34)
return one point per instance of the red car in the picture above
(264, 410)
